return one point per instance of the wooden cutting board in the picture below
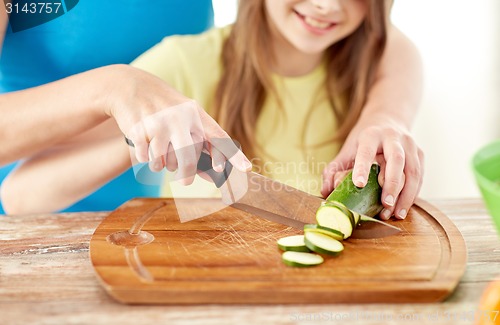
(231, 257)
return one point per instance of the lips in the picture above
(315, 23)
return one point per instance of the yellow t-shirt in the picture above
(289, 136)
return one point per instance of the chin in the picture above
(311, 48)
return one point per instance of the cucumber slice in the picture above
(364, 200)
(323, 244)
(301, 259)
(344, 209)
(335, 234)
(357, 218)
(333, 217)
(293, 243)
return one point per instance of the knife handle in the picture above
(205, 165)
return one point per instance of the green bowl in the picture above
(486, 166)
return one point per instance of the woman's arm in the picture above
(382, 132)
(38, 118)
(141, 104)
(62, 175)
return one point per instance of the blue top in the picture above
(91, 34)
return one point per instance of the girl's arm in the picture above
(382, 132)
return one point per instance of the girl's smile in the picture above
(315, 25)
(304, 29)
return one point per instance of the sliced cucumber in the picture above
(293, 243)
(323, 244)
(357, 218)
(344, 209)
(364, 200)
(334, 233)
(301, 259)
(333, 217)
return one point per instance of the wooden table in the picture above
(46, 278)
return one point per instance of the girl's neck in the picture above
(290, 62)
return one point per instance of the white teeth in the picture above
(316, 23)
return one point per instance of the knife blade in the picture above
(271, 200)
(370, 228)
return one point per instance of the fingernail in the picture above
(359, 182)
(157, 165)
(402, 214)
(389, 200)
(247, 164)
(218, 168)
(385, 215)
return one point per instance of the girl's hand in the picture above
(399, 157)
(167, 128)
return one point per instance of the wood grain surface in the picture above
(231, 257)
(46, 277)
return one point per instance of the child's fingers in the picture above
(387, 212)
(413, 175)
(380, 160)
(395, 164)
(339, 177)
(343, 161)
(365, 156)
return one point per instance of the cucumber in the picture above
(334, 233)
(364, 200)
(333, 217)
(293, 243)
(323, 244)
(344, 209)
(301, 259)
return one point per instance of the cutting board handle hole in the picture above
(126, 239)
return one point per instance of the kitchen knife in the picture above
(286, 205)
(274, 201)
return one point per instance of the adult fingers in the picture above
(157, 148)
(218, 159)
(219, 139)
(171, 160)
(137, 135)
(185, 153)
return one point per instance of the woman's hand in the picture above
(167, 129)
(380, 140)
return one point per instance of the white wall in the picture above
(460, 45)
(224, 11)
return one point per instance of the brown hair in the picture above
(246, 80)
